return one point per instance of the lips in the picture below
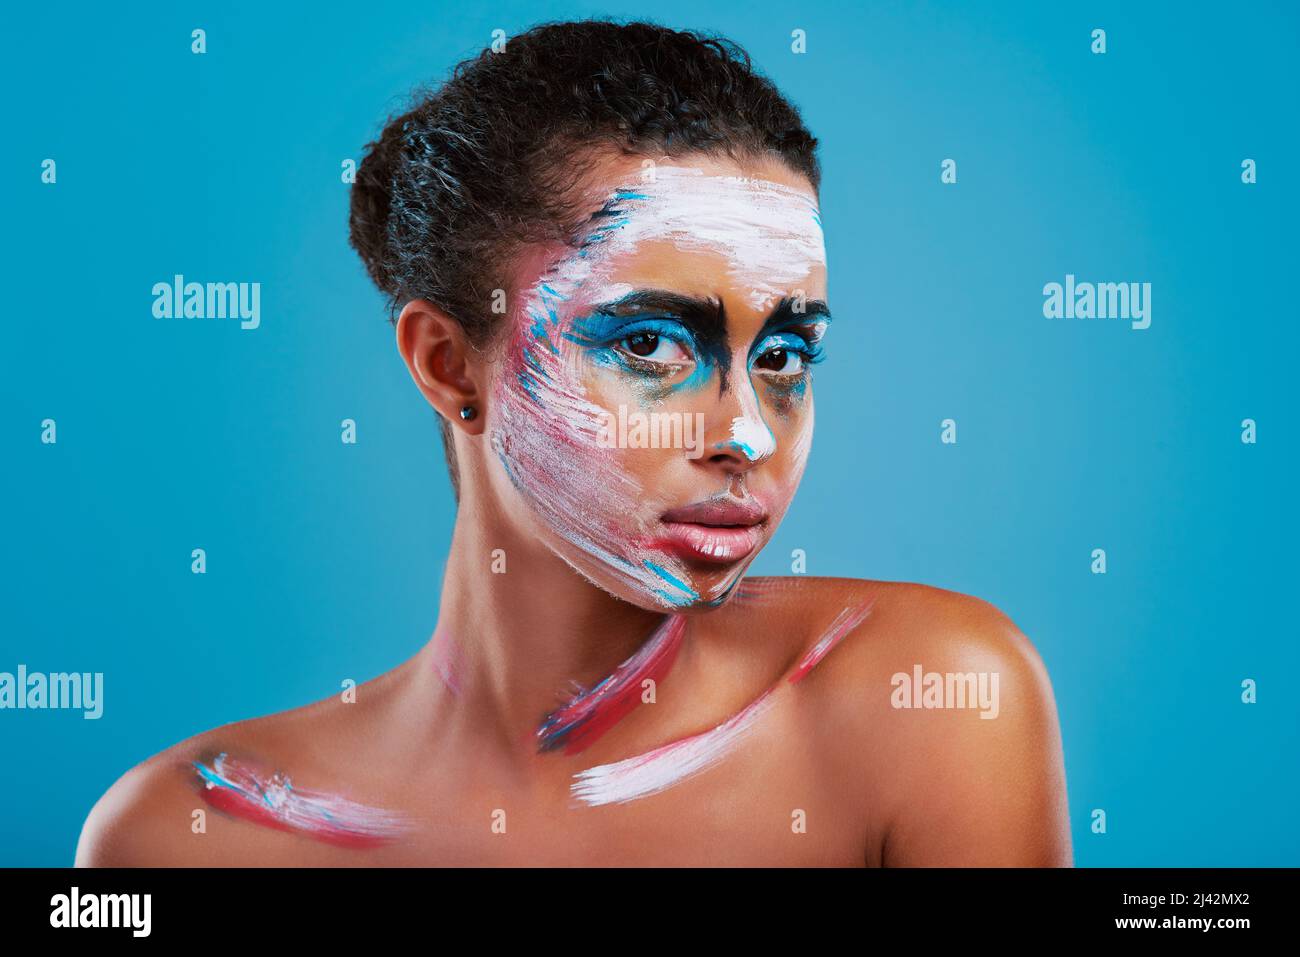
(719, 531)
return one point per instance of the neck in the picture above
(517, 627)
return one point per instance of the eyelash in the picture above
(809, 351)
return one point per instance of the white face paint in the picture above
(763, 240)
(770, 233)
(751, 437)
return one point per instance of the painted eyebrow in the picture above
(814, 310)
(706, 317)
(708, 314)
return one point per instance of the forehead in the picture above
(700, 229)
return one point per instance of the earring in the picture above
(468, 412)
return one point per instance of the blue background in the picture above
(324, 559)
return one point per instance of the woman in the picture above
(604, 249)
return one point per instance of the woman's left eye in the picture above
(781, 361)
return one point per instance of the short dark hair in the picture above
(484, 164)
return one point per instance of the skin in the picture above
(877, 785)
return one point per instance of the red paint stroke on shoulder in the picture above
(273, 801)
(844, 622)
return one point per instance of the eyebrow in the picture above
(708, 313)
(814, 310)
(705, 315)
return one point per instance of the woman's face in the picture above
(654, 410)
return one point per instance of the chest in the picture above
(764, 799)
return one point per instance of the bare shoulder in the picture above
(951, 742)
(893, 621)
(877, 627)
(144, 818)
(154, 815)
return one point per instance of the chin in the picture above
(658, 580)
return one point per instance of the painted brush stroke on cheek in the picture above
(547, 430)
(669, 765)
(245, 792)
(594, 711)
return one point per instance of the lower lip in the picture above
(710, 543)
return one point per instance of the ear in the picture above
(443, 363)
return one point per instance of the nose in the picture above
(736, 437)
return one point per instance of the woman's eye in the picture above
(782, 361)
(654, 347)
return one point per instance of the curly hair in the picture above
(487, 163)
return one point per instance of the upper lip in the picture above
(720, 512)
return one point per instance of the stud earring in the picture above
(468, 412)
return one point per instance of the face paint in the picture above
(547, 429)
(244, 792)
(669, 765)
(593, 712)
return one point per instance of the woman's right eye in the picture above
(654, 348)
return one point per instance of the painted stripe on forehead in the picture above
(770, 232)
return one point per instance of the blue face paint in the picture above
(606, 338)
(697, 330)
(789, 343)
(734, 446)
(682, 594)
(529, 384)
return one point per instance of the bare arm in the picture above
(984, 791)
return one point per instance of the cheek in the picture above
(789, 413)
(801, 444)
(611, 381)
(630, 399)
(788, 404)
(550, 438)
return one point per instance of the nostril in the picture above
(732, 446)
